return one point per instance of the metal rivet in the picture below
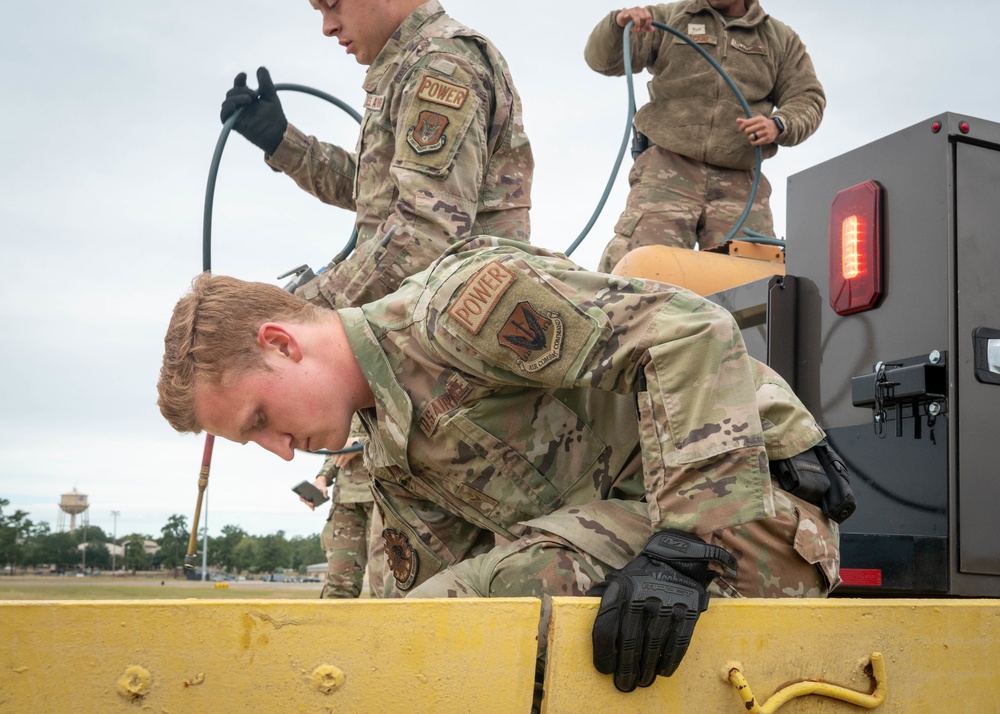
(934, 356)
(135, 682)
(327, 679)
(933, 408)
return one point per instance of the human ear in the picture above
(279, 338)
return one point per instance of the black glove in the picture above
(261, 121)
(649, 608)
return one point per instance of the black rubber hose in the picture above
(753, 236)
(213, 172)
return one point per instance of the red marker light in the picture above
(867, 577)
(936, 127)
(851, 259)
(855, 249)
(964, 127)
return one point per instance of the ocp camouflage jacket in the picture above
(442, 155)
(515, 390)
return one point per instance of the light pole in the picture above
(114, 541)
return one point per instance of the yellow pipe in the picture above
(699, 271)
(822, 689)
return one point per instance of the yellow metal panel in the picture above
(477, 656)
(283, 656)
(940, 655)
(700, 271)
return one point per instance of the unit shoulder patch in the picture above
(507, 318)
(403, 559)
(427, 134)
(535, 338)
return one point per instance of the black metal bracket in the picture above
(920, 383)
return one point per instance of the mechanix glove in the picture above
(649, 608)
(262, 120)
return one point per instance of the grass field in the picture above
(146, 587)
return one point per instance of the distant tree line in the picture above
(25, 546)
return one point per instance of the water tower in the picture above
(72, 503)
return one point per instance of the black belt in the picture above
(640, 142)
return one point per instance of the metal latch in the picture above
(301, 275)
(919, 384)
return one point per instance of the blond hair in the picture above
(213, 333)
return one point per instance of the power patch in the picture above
(438, 91)
(480, 296)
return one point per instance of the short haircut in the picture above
(213, 333)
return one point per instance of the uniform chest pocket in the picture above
(547, 453)
(374, 190)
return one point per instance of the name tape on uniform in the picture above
(434, 89)
(480, 296)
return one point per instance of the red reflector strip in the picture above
(861, 576)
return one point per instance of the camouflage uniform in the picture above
(348, 536)
(535, 423)
(692, 183)
(442, 155)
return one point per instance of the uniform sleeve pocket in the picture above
(627, 222)
(434, 123)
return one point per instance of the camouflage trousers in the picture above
(792, 554)
(347, 538)
(778, 557)
(681, 202)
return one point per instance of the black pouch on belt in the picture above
(820, 477)
(640, 142)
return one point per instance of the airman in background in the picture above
(692, 179)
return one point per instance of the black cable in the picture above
(213, 172)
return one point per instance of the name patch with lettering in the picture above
(374, 102)
(480, 296)
(438, 91)
(749, 49)
(457, 390)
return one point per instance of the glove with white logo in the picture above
(649, 608)
(262, 121)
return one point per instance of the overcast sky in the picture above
(109, 117)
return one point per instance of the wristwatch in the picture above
(780, 124)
